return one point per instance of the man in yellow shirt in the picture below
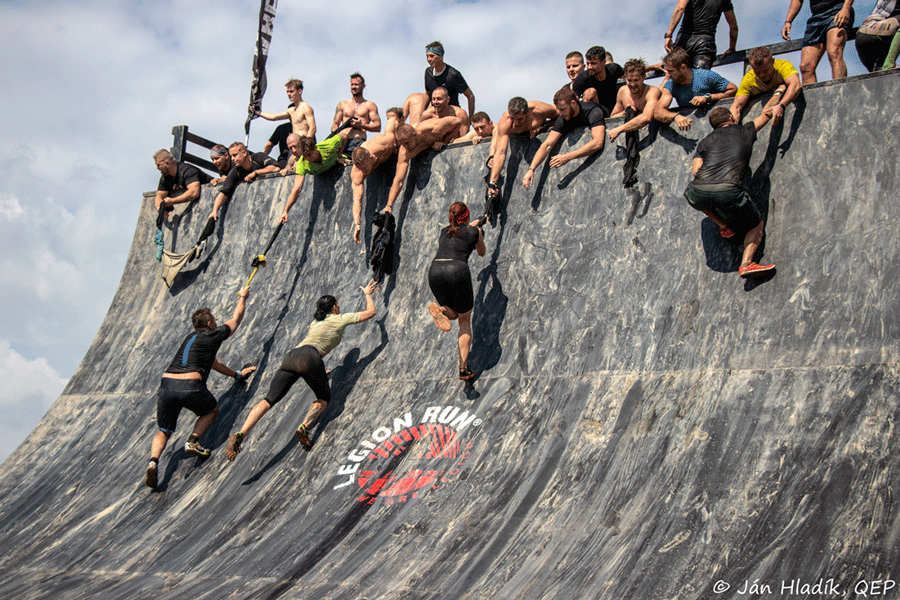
(767, 74)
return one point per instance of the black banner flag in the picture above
(258, 88)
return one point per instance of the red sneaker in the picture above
(726, 233)
(753, 269)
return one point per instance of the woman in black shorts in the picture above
(451, 282)
(305, 361)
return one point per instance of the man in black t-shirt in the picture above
(245, 167)
(573, 113)
(698, 29)
(440, 74)
(177, 177)
(183, 384)
(719, 166)
(599, 82)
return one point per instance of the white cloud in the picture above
(27, 389)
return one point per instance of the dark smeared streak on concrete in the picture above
(651, 424)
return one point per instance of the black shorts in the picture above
(451, 284)
(818, 26)
(734, 206)
(175, 394)
(701, 48)
(305, 362)
(352, 145)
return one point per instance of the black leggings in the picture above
(305, 362)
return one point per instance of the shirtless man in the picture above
(482, 127)
(366, 159)
(364, 115)
(521, 117)
(636, 94)
(433, 133)
(441, 107)
(414, 105)
(299, 112)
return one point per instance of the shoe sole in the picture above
(196, 453)
(304, 439)
(440, 319)
(755, 272)
(466, 377)
(233, 448)
(151, 477)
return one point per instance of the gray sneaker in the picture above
(195, 449)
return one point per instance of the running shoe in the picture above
(726, 233)
(195, 449)
(303, 435)
(753, 269)
(234, 446)
(440, 319)
(150, 478)
(466, 374)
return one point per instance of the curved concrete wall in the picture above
(644, 423)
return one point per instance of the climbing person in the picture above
(183, 384)
(451, 282)
(305, 361)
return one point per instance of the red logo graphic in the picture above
(376, 467)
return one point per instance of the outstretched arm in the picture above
(220, 200)
(357, 180)
(370, 302)
(499, 155)
(274, 116)
(292, 197)
(399, 177)
(539, 157)
(238, 316)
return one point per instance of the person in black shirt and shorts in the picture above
(451, 282)
(183, 384)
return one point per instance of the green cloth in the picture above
(891, 60)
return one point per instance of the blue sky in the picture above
(92, 89)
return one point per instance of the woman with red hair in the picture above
(451, 282)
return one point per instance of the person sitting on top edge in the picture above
(177, 177)
(440, 74)
(246, 167)
(689, 87)
(573, 113)
(767, 74)
(599, 82)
